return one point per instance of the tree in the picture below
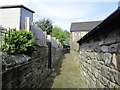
(45, 25)
(61, 35)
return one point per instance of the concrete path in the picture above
(66, 74)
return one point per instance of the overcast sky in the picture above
(63, 12)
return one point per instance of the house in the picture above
(16, 16)
(78, 30)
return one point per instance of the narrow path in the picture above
(66, 74)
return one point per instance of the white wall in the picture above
(10, 18)
(15, 18)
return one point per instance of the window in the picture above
(75, 34)
(78, 34)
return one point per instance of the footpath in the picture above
(65, 74)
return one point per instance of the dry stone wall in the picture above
(56, 55)
(26, 71)
(99, 60)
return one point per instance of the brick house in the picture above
(16, 16)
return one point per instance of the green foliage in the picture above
(45, 25)
(61, 35)
(19, 42)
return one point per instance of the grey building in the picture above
(16, 16)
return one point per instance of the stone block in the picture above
(99, 66)
(23, 84)
(118, 48)
(110, 39)
(94, 63)
(118, 62)
(104, 72)
(111, 85)
(118, 35)
(91, 76)
(99, 85)
(104, 48)
(103, 80)
(94, 71)
(108, 59)
(21, 59)
(9, 60)
(113, 48)
(114, 76)
(101, 42)
(102, 56)
(114, 60)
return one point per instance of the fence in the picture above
(38, 34)
(42, 37)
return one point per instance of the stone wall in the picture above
(56, 54)
(99, 60)
(26, 71)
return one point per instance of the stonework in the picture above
(23, 71)
(99, 60)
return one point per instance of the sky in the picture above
(64, 12)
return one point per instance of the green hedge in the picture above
(19, 42)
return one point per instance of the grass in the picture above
(67, 74)
(70, 76)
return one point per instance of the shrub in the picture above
(19, 42)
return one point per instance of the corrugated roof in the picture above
(16, 6)
(84, 26)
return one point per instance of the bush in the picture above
(19, 42)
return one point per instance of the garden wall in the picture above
(56, 54)
(100, 60)
(26, 71)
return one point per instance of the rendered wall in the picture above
(10, 18)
